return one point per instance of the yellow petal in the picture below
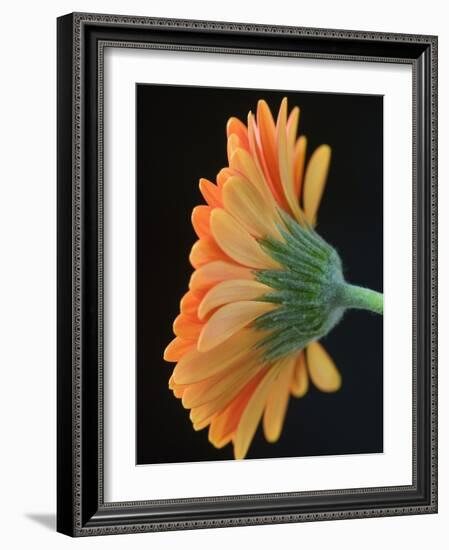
(196, 366)
(249, 208)
(277, 401)
(231, 291)
(252, 414)
(300, 381)
(212, 273)
(237, 243)
(285, 164)
(315, 180)
(322, 370)
(228, 320)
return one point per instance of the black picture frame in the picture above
(81, 509)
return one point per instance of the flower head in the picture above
(265, 289)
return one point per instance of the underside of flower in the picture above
(306, 289)
(266, 286)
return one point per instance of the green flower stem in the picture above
(362, 298)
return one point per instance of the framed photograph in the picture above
(247, 280)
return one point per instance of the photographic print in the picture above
(259, 274)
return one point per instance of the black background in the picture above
(180, 138)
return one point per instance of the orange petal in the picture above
(285, 165)
(228, 320)
(277, 401)
(216, 435)
(315, 181)
(300, 381)
(196, 365)
(292, 129)
(177, 348)
(211, 193)
(177, 389)
(224, 424)
(268, 149)
(249, 208)
(210, 274)
(203, 416)
(230, 291)
(254, 150)
(299, 158)
(201, 221)
(187, 327)
(252, 414)
(200, 425)
(204, 251)
(243, 163)
(226, 382)
(267, 131)
(190, 302)
(214, 407)
(200, 393)
(232, 145)
(224, 174)
(236, 126)
(322, 369)
(237, 243)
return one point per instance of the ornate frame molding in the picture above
(81, 41)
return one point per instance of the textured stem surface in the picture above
(362, 298)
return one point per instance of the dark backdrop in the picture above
(180, 138)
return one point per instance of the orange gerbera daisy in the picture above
(265, 289)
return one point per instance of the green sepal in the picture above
(309, 288)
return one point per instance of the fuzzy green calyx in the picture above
(310, 290)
